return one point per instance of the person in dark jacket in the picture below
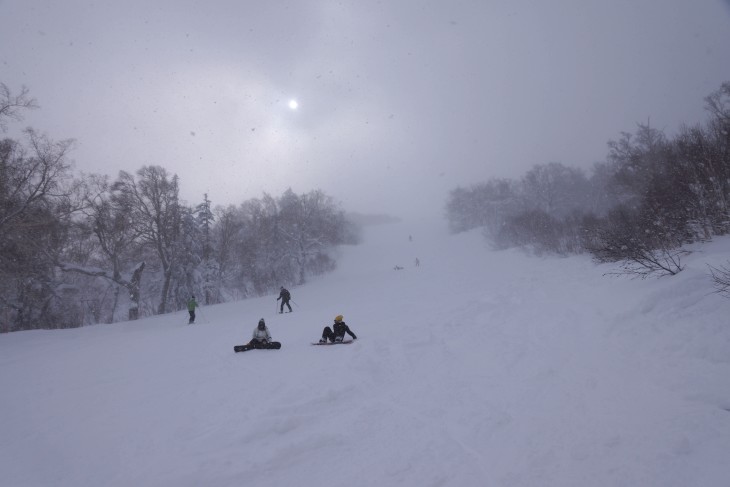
(337, 332)
(285, 296)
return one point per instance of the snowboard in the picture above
(267, 346)
(344, 342)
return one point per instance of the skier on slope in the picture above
(338, 334)
(285, 296)
(192, 304)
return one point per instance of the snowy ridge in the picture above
(476, 368)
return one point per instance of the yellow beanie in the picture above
(338, 318)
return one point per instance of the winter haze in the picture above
(398, 102)
(502, 370)
(527, 358)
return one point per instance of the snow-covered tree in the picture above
(155, 212)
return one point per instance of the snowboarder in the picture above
(285, 296)
(261, 338)
(338, 334)
(418, 262)
(261, 335)
(192, 304)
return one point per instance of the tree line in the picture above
(652, 195)
(77, 250)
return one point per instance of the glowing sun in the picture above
(293, 104)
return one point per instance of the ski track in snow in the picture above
(476, 368)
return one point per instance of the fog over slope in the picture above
(475, 368)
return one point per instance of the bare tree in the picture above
(205, 219)
(721, 279)
(483, 205)
(718, 104)
(154, 209)
(226, 232)
(310, 224)
(36, 194)
(641, 251)
(554, 189)
(30, 179)
(11, 106)
(111, 223)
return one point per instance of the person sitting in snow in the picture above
(285, 296)
(261, 337)
(338, 334)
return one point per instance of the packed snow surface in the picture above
(476, 368)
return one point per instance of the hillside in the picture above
(476, 368)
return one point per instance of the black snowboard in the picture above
(344, 342)
(262, 346)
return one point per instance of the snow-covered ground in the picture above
(477, 368)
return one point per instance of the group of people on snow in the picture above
(261, 337)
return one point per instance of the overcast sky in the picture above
(398, 101)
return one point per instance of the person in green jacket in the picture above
(192, 304)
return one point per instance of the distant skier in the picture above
(418, 262)
(285, 296)
(192, 304)
(261, 338)
(338, 334)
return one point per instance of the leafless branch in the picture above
(11, 105)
